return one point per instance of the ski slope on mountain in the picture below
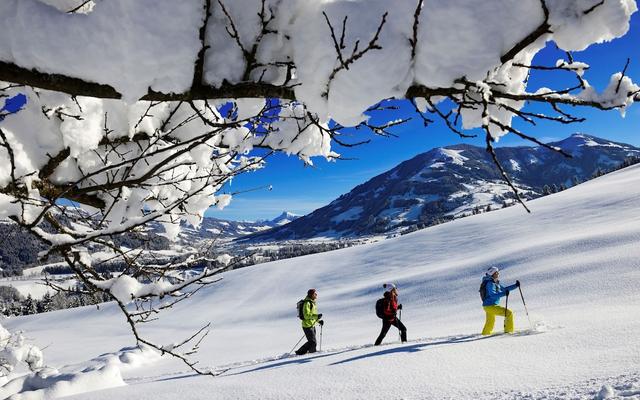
(576, 254)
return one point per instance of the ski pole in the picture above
(400, 319)
(525, 307)
(321, 326)
(296, 345)
(506, 309)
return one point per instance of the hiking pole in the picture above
(296, 345)
(525, 307)
(506, 309)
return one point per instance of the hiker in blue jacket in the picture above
(491, 291)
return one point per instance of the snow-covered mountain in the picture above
(283, 218)
(214, 228)
(20, 248)
(448, 182)
(576, 254)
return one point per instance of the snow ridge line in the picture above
(452, 339)
(221, 369)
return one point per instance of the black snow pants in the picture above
(385, 328)
(310, 346)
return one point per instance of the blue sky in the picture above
(301, 189)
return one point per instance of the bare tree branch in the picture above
(537, 33)
(624, 70)
(416, 22)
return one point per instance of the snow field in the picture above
(576, 255)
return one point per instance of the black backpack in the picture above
(300, 307)
(380, 308)
(483, 289)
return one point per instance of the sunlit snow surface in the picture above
(577, 257)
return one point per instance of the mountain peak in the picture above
(284, 218)
(581, 135)
(578, 140)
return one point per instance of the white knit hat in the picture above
(389, 287)
(492, 270)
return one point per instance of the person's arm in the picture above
(393, 309)
(307, 312)
(512, 287)
(494, 291)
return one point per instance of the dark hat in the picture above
(310, 292)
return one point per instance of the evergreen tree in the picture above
(598, 172)
(575, 180)
(15, 308)
(29, 306)
(46, 304)
(59, 301)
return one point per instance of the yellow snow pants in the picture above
(491, 313)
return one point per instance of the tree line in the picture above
(12, 303)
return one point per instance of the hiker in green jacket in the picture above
(309, 321)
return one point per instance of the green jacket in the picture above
(309, 312)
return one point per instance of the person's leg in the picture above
(403, 330)
(508, 323)
(310, 344)
(311, 337)
(385, 328)
(492, 312)
(490, 319)
(303, 349)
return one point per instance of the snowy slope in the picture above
(577, 257)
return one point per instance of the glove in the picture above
(518, 283)
(399, 306)
(319, 316)
(507, 293)
(321, 322)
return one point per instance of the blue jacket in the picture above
(494, 290)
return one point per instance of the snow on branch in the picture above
(282, 50)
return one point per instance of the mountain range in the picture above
(214, 228)
(19, 249)
(440, 185)
(453, 181)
